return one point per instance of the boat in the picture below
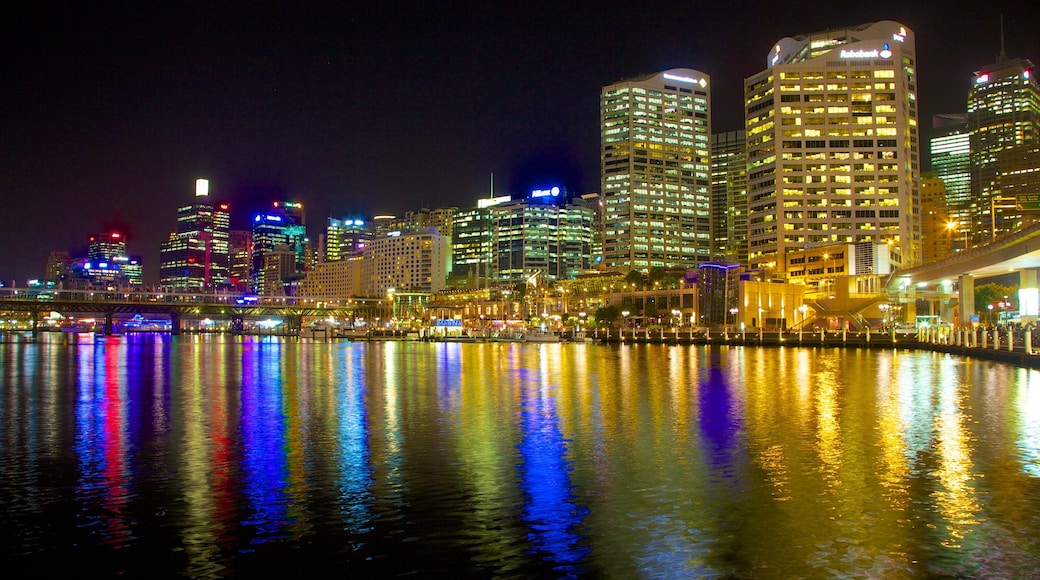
(536, 335)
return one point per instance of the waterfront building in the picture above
(58, 269)
(471, 247)
(339, 279)
(655, 162)
(1004, 133)
(832, 144)
(937, 227)
(820, 267)
(718, 293)
(546, 236)
(951, 162)
(406, 262)
(195, 256)
(729, 196)
(442, 218)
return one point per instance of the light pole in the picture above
(733, 312)
(884, 314)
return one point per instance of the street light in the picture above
(624, 314)
(884, 314)
(733, 311)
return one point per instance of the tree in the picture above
(606, 315)
(988, 294)
(635, 278)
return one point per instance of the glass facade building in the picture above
(655, 162)
(1004, 134)
(729, 196)
(195, 257)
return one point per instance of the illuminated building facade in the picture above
(729, 196)
(544, 235)
(1004, 132)
(951, 162)
(106, 265)
(274, 233)
(406, 262)
(344, 238)
(471, 245)
(195, 256)
(655, 162)
(718, 293)
(240, 256)
(937, 229)
(832, 144)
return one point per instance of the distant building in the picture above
(832, 144)
(282, 226)
(240, 252)
(543, 235)
(937, 230)
(340, 279)
(472, 243)
(1004, 128)
(951, 162)
(406, 262)
(729, 196)
(655, 170)
(195, 256)
(344, 238)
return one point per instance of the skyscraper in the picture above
(729, 196)
(276, 232)
(1004, 132)
(951, 162)
(655, 162)
(195, 256)
(832, 144)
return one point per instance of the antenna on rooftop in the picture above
(1002, 55)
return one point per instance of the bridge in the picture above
(951, 281)
(182, 306)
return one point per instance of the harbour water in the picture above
(217, 456)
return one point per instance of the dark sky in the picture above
(110, 111)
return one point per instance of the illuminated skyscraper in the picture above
(1004, 128)
(472, 241)
(729, 196)
(937, 229)
(344, 238)
(545, 236)
(276, 232)
(832, 144)
(655, 162)
(951, 162)
(195, 256)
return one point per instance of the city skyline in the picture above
(111, 115)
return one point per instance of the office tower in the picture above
(106, 246)
(832, 144)
(595, 202)
(655, 162)
(951, 162)
(58, 267)
(471, 243)
(195, 256)
(1004, 129)
(275, 233)
(344, 238)
(240, 257)
(937, 229)
(729, 196)
(543, 236)
(441, 218)
(406, 262)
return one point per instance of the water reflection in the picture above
(234, 456)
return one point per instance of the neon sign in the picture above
(554, 192)
(703, 83)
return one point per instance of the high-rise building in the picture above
(406, 262)
(240, 256)
(344, 238)
(832, 144)
(951, 162)
(472, 242)
(655, 162)
(595, 202)
(543, 236)
(276, 232)
(729, 196)
(106, 245)
(195, 256)
(1004, 128)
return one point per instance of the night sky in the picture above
(110, 111)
